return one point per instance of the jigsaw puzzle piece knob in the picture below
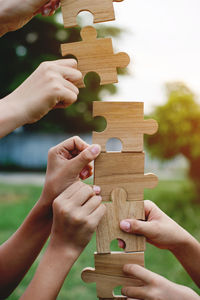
(88, 33)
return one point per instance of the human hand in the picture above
(67, 162)
(52, 85)
(159, 229)
(76, 214)
(49, 8)
(155, 286)
(16, 13)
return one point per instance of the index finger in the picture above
(73, 145)
(67, 62)
(139, 272)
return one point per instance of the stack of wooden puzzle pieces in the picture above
(119, 174)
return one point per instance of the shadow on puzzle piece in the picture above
(116, 211)
(102, 10)
(96, 55)
(108, 273)
(125, 170)
(125, 121)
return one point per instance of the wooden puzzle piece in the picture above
(96, 55)
(125, 170)
(108, 273)
(125, 121)
(116, 211)
(102, 10)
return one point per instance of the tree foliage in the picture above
(22, 51)
(179, 129)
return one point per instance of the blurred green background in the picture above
(174, 197)
(179, 130)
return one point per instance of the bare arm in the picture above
(66, 163)
(19, 252)
(188, 253)
(51, 85)
(76, 214)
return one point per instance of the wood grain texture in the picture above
(102, 10)
(108, 272)
(96, 55)
(116, 211)
(125, 121)
(125, 170)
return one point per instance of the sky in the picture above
(162, 39)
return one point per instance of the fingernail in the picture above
(95, 149)
(125, 226)
(96, 189)
(46, 11)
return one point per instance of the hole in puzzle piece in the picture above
(85, 18)
(114, 245)
(100, 124)
(114, 145)
(117, 290)
(92, 81)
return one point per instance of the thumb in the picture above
(136, 226)
(85, 157)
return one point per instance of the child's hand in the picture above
(52, 85)
(159, 229)
(76, 214)
(155, 286)
(67, 162)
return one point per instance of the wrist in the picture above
(63, 249)
(13, 116)
(43, 210)
(182, 244)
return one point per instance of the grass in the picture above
(174, 197)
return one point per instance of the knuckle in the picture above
(51, 151)
(88, 189)
(56, 88)
(79, 75)
(77, 219)
(72, 62)
(73, 97)
(86, 155)
(154, 283)
(135, 226)
(90, 225)
(46, 66)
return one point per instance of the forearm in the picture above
(11, 116)
(51, 273)
(20, 251)
(188, 253)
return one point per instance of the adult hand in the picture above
(67, 162)
(155, 286)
